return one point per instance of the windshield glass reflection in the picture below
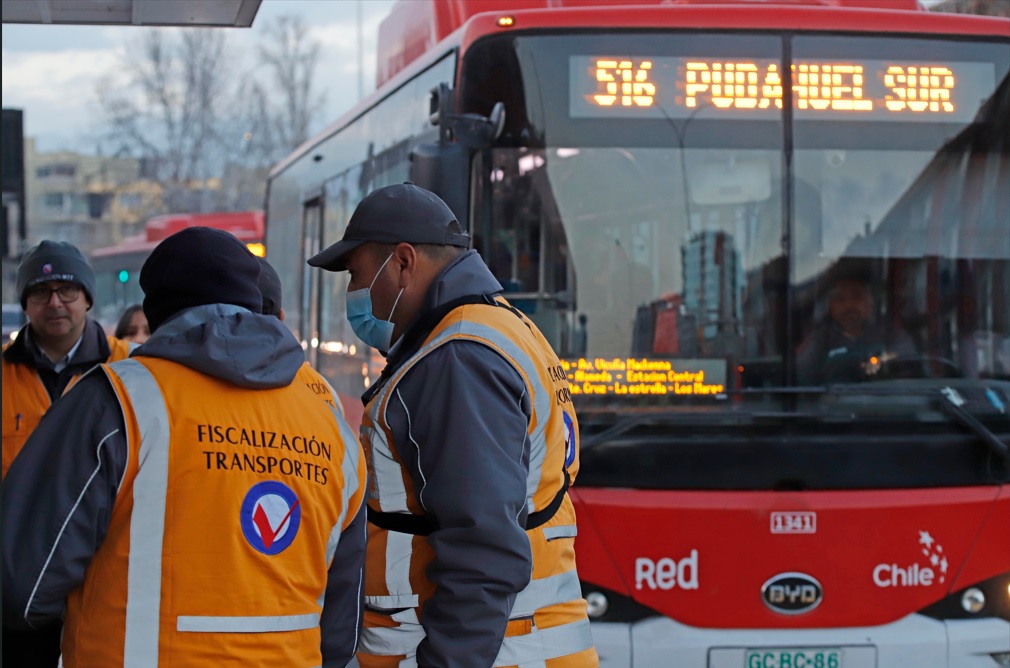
(677, 263)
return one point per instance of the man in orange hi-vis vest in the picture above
(56, 288)
(472, 443)
(193, 505)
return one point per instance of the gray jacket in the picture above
(59, 493)
(459, 422)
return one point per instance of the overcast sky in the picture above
(50, 71)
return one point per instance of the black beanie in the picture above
(198, 266)
(54, 261)
(270, 288)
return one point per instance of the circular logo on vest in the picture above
(270, 516)
(569, 439)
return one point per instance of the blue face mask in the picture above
(372, 331)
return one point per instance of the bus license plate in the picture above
(784, 657)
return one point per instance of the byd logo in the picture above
(792, 593)
(667, 573)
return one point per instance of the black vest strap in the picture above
(544, 516)
(423, 525)
(417, 525)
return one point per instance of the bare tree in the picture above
(170, 112)
(282, 104)
(180, 112)
(983, 7)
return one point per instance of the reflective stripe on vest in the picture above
(545, 644)
(147, 525)
(349, 467)
(394, 640)
(561, 588)
(386, 485)
(552, 590)
(522, 650)
(246, 624)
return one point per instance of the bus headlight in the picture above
(596, 604)
(605, 605)
(972, 600)
(987, 598)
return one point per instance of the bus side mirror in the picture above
(444, 169)
(477, 131)
(471, 130)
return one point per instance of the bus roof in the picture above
(413, 27)
(245, 225)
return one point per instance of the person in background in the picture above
(191, 505)
(270, 288)
(132, 325)
(472, 443)
(56, 287)
(840, 347)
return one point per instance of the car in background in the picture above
(13, 319)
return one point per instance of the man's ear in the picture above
(280, 316)
(406, 258)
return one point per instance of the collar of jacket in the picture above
(466, 280)
(94, 349)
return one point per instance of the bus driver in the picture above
(838, 346)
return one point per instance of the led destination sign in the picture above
(643, 87)
(645, 376)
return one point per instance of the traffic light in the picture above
(124, 276)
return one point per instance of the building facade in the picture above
(87, 200)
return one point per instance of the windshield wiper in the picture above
(952, 403)
(949, 400)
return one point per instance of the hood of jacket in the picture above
(230, 343)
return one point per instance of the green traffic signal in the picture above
(124, 276)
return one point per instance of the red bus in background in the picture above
(117, 268)
(670, 189)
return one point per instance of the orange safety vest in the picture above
(548, 622)
(223, 529)
(25, 400)
(319, 385)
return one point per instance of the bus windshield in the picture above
(687, 217)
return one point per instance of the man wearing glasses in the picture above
(56, 287)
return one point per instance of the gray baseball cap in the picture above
(401, 213)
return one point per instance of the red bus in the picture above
(677, 192)
(117, 268)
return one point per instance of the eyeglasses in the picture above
(42, 294)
